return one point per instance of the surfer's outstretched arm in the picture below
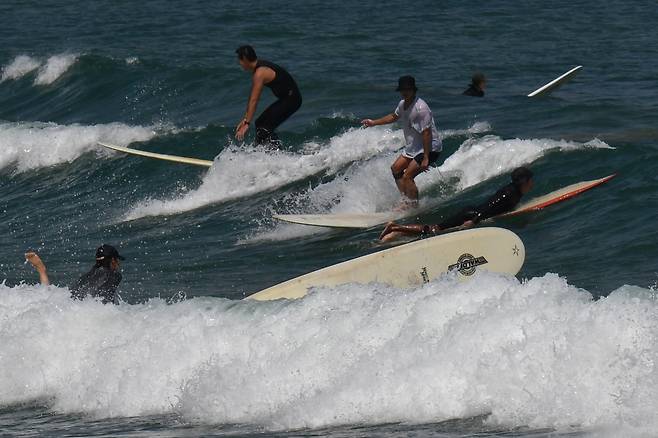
(38, 264)
(390, 118)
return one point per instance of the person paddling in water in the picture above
(477, 86)
(422, 142)
(276, 78)
(101, 281)
(503, 201)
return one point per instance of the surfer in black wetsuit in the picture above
(100, 282)
(505, 199)
(276, 78)
(477, 86)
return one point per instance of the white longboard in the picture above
(347, 220)
(464, 252)
(174, 158)
(369, 220)
(557, 82)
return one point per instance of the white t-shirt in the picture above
(415, 120)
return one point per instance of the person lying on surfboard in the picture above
(422, 142)
(101, 281)
(504, 200)
(284, 87)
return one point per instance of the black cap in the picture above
(104, 251)
(406, 83)
(521, 175)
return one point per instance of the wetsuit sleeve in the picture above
(503, 201)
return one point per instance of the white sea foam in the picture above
(479, 159)
(19, 67)
(243, 172)
(539, 353)
(28, 146)
(55, 67)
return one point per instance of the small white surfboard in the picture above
(557, 82)
(174, 158)
(464, 252)
(369, 220)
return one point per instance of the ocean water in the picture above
(565, 348)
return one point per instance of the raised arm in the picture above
(38, 264)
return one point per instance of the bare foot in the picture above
(393, 236)
(387, 229)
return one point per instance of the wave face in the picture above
(539, 353)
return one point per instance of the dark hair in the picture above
(521, 175)
(478, 78)
(246, 52)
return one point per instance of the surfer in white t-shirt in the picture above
(422, 142)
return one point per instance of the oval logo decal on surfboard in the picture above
(466, 264)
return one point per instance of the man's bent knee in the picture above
(397, 174)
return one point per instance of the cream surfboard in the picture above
(555, 83)
(369, 220)
(174, 158)
(463, 252)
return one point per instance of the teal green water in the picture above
(163, 77)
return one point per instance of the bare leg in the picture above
(409, 188)
(398, 169)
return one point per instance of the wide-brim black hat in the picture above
(406, 83)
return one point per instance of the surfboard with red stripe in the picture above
(558, 196)
(369, 220)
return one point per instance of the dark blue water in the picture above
(566, 347)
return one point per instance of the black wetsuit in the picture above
(289, 99)
(100, 282)
(503, 201)
(473, 90)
